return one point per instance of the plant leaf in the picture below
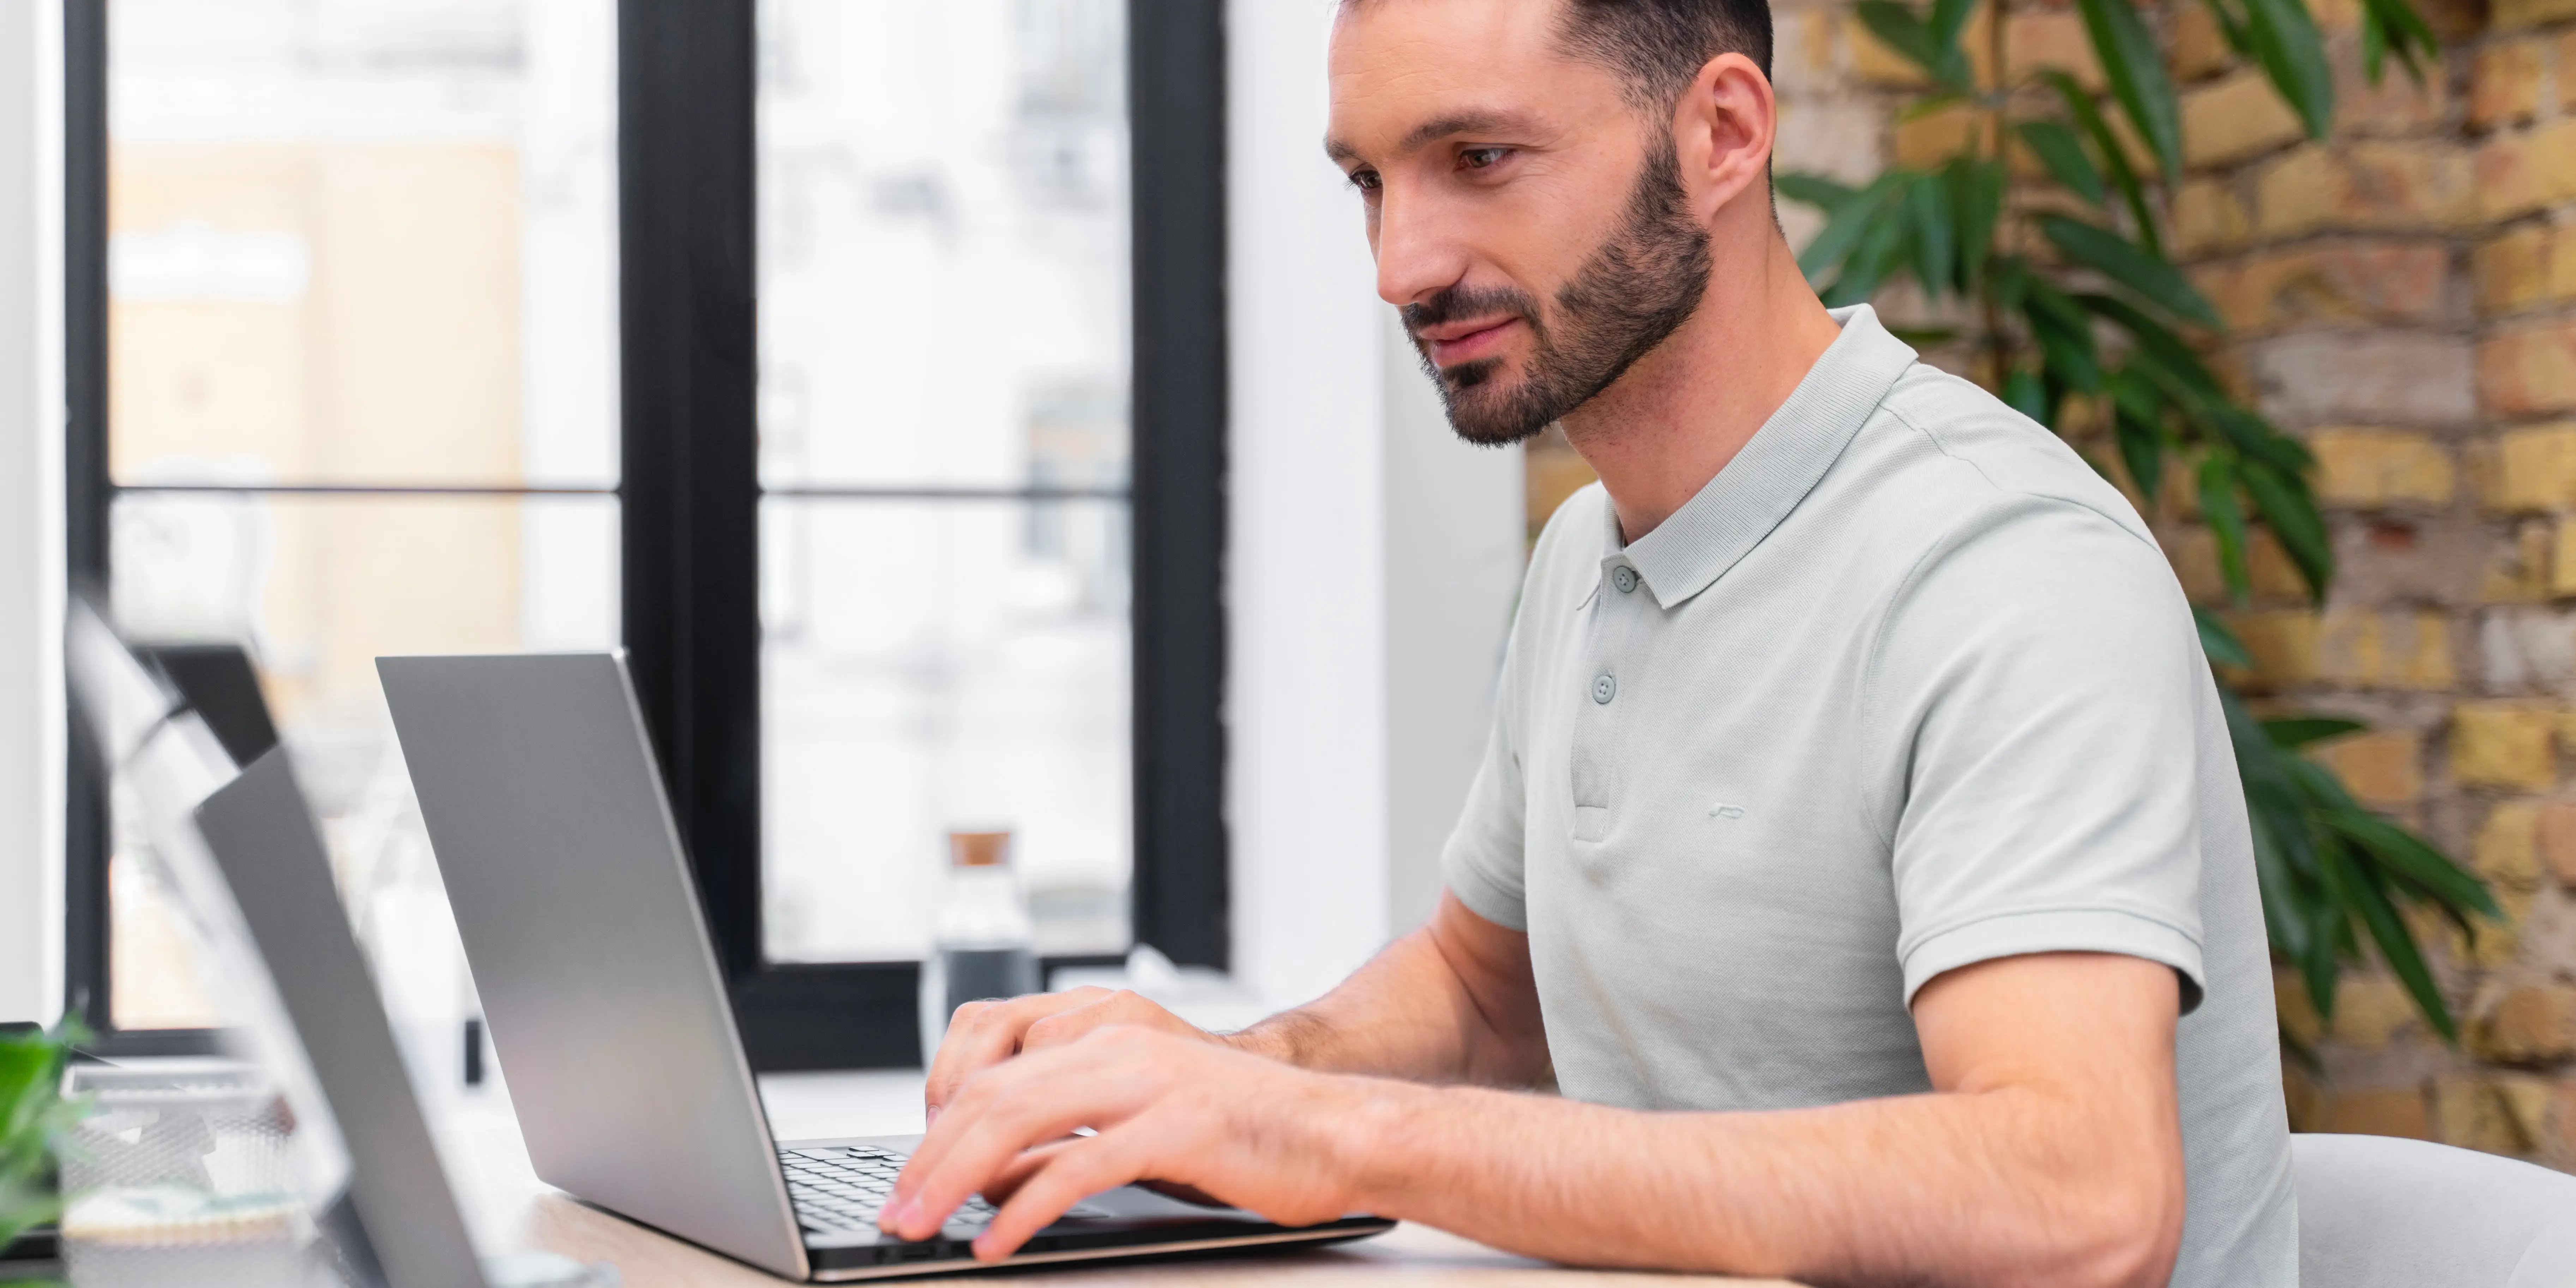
(2284, 40)
(2115, 159)
(2141, 450)
(2122, 261)
(2158, 342)
(2057, 148)
(1810, 189)
(1947, 20)
(1976, 204)
(2230, 25)
(2221, 644)
(2396, 943)
(1934, 240)
(1904, 34)
(2137, 73)
(2065, 335)
(1851, 222)
(2226, 520)
(2024, 393)
(1881, 250)
(2290, 511)
(2298, 731)
(2394, 25)
(2454, 886)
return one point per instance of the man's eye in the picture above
(1364, 180)
(1480, 158)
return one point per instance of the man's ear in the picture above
(1722, 133)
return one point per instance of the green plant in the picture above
(33, 1116)
(2073, 312)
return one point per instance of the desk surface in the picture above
(510, 1208)
(1412, 1255)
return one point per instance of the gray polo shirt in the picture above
(1907, 686)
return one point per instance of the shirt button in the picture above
(1624, 577)
(1604, 688)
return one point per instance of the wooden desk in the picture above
(511, 1208)
(1412, 1256)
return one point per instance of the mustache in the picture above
(1467, 302)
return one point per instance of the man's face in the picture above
(1529, 223)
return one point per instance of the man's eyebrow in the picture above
(1474, 121)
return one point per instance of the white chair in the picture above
(2379, 1212)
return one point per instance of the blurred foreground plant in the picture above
(33, 1116)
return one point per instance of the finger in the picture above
(1017, 1172)
(983, 1034)
(1004, 1111)
(1071, 1174)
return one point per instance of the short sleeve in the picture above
(2036, 697)
(1483, 861)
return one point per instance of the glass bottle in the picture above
(982, 945)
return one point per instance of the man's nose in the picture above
(1418, 255)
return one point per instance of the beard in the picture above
(1636, 288)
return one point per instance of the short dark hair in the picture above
(1659, 46)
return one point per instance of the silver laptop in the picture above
(609, 1012)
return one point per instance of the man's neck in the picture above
(1664, 429)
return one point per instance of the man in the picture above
(1858, 850)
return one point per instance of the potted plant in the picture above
(34, 1115)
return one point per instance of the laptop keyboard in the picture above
(837, 1189)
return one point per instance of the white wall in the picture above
(31, 753)
(1371, 558)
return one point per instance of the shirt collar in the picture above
(1774, 470)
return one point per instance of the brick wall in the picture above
(2403, 296)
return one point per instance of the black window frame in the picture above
(689, 499)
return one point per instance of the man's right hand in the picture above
(984, 1034)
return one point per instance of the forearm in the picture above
(1411, 1012)
(1989, 1188)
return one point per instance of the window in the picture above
(354, 393)
(801, 347)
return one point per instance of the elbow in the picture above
(2129, 1233)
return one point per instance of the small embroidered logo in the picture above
(1724, 810)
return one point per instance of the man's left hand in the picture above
(1246, 1131)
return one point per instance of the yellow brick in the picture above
(2507, 15)
(2562, 561)
(2512, 271)
(2384, 1111)
(2504, 84)
(2519, 569)
(2526, 170)
(2270, 570)
(2393, 650)
(2290, 1003)
(2238, 117)
(2368, 468)
(2049, 38)
(2530, 1024)
(2206, 216)
(2500, 745)
(2283, 645)
(2497, 942)
(2507, 849)
(2558, 840)
(2565, 56)
(2383, 768)
(2528, 368)
(2195, 45)
(2472, 1115)
(2408, 184)
(1927, 141)
(2369, 1011)
(2535, 469)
